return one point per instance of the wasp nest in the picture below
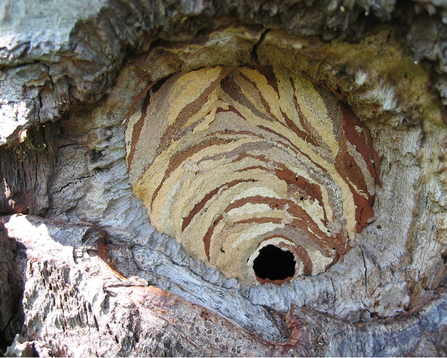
(258, 172)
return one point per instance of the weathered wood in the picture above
(98, 279)
(25, 172)
(12, 267)
(75, 304)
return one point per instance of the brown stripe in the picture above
(260, 220)
(316, 138)
(300, 216)
(292, 146)
(348, 168)
(233, 90)
(173, 131)
(199, 206)
(270, 76)
(303, 135)
(209, 233)
(138, 126)
(263, 100)
(230, 109)
(306, 189)
(362, 141)
(179, 157)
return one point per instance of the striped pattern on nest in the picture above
(230, 160)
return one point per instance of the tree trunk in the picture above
(153, 155)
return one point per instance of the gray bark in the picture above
(85, 273)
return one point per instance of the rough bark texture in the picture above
(83, 272)
(11, 271)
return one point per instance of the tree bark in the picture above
(83, 271)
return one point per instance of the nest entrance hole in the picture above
(274, 264)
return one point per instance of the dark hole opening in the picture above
(274, 264)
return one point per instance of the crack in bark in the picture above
(254, 51)
(334, 301)
(72, 182)
(365, 275)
